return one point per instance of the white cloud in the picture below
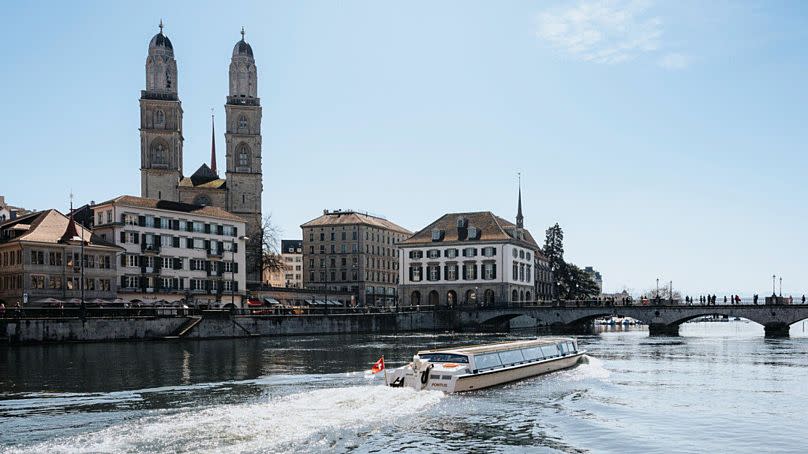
(602, 31)
(674, 60)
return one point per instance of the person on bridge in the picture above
(737, 299)
(803, 299)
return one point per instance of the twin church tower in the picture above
(161, 138)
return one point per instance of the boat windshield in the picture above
(445, 358)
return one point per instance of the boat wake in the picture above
(321, 419)
(588, 368)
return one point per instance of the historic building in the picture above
(473, 258)
(174, 251)
(161, 143)
(46, 258)
(353, 252)
(291, 273)
(597, 278)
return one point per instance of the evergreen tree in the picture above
(554, 251)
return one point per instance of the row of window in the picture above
(152, 283)
(54, 258)
(370, 235)
(511, 357)
(369, 249)
(370, 262)
(450, 253)
(177, 263)
(11, 282)
(342, 276)
(521, 272)
(172, 224)
(454, 272)
(154, 242)
(11, 258)
(56, 282)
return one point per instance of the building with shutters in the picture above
(350, 251)
(174, 251)
(473, 258)
(41, 262)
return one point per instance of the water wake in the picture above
(309, 420)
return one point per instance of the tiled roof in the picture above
(490, 227)
(335, 218)
(49, 226)
(142, 202)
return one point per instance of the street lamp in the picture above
(233, 269)
(773, 292)
(781, 286)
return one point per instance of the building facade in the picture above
(597, 278)
(291, 273)
(161, 143)
(354, 252)
(46, 256)
(8, 212)
(174, 251)
(472, 258)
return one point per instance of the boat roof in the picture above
(501, 346)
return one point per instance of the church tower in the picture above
(160, 123)
(243, 155)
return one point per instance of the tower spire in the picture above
(520, 220)
(212, 144)
(161, 26)
(242, 33)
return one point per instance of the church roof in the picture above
(219, 183)
(203, 174)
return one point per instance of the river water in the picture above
(719, 387)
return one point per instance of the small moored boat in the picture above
(476, 367)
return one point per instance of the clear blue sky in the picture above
(667, 138)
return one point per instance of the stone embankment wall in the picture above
(145, 328)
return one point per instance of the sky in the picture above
(668, 139)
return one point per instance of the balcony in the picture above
(216, 253)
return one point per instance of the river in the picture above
(718, 387)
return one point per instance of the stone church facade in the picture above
(161, 142)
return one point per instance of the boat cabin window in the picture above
(563, 347)
(445, 358)
(532, 354)
(487, 361)
(549, 351)
(511, 357)
(571, 347)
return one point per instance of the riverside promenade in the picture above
(100, 325)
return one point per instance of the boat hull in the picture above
(472, 382)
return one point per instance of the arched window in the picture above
(471, 297)
(434, 299)
(243, 154)
(489, 296)
(527, 296)
(159, 118)
(522, 295)
(451, 298)
(515, 296)
(415, 299)
(159, 154)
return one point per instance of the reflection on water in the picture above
(714, 388)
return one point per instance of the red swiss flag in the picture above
(378, 366)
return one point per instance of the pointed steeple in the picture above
(71, 233)
(212, 144)
(520, 220)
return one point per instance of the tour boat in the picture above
(476, 367)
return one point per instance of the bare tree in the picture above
(268, 243)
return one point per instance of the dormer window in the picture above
(473, 232)
(461, 222)
(437, 234)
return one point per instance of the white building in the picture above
(470, 258)
(291, 273)
(175, 251)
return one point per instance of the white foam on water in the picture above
(302, 421)
(589, 367)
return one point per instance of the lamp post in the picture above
(773, 292)
(233, 270)
(781, 286)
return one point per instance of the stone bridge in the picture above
(775, 319)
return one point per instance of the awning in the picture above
(254, 302)
(271, 301)
(48, 301)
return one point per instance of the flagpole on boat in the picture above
(385, 370)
